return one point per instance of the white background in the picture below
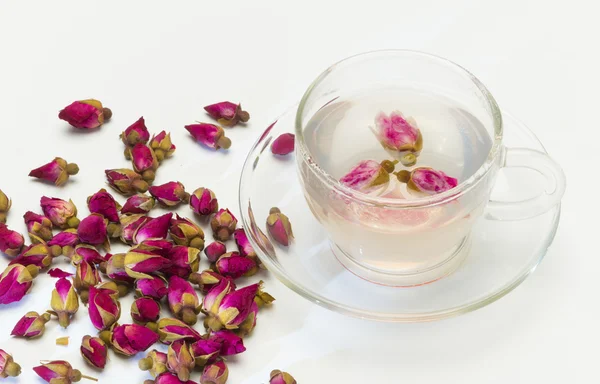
(165, 60)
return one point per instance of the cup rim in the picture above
(426, 201)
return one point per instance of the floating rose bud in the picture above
(233, 265)
(65, 301)
(399, 136)
(279, 227)
(136, 133)
(156, 228)
(185, 261)
(126, 181)
(154, 287)
(66, 240)
(155, 363)
(162, 146)
(63, 214)
(231, 344)
(249, 323)
(204, 202)
(85, 114)
(31, 325)
(208, 279)
(284, 144)
(160, 247)
(223, 223)
(215, 373)
(210, 135)
(86, 276)
(215, 250)
(234, 308)
(58, 273)
(38, 226)
(184, 232)
(57, 171)
(145, 310)
(129, 226)
(171, 330)
(36, 254)
(214, 297)
(428, 181)
(278, 377)
(180, 359)
(5, 204)
(368, 176)
(87, 253)
(183, 300)
(7, 365)
(138, 204)
(15, 282)
(129, 339)
(11, 242)
(94, 351)
(227, 113)
(59, 372)
(170, 194)
(104, 203)
(206, 351)
(144, 161)
(168, 378)
(93, 230)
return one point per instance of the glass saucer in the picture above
(502, 255)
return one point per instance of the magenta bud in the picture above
(93, 230)
(145, 310)
(31, 325)
(138, 204)
(214, 250)
(169, 378)
(215, 373)
(183, 300)
(162, 146)
(57, 171)
(136, 133)
(170, 194)
(231, 344)
(227, 113)
(104, 203)
(38, 226)
(11, 242)
(155, 363)
(233, 265)
(284, 144)
(206, 351)
(144, 161)
(126, 181)
(180, 360)
(104, 308)
(185, 261)
(94, 351)
(129, 226)
(58, 273)
(129, 339)
(214, 297)
(209, 279)
(278, 377)
(86, 276)
(15, 282)
(115, 269)
(398, 135)
(8, 368)
(59, 372)
(223, 223)
(66, 238)
(279, 227)
(64, 302)
(63, 214)
(38, 255)
(154, 287)
(171, 330)
(87, 253)
(367, 176)
(204, 202)
(156, 228)
(141, 264)
(212, 136)
(429, 181)
(243, 244)
(85, 114)
(233, 309)
(160, 247)
(185, 232)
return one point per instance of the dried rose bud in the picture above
(160, 247)
(58, 273)
(185, 261)
(215, 373)
(7, 365)
(284, 144)
(145, 310)
(156, 228)
(399, 136)
(85, 114)
(57, 171)
(210, 135)
(31, 325)
(93, 230)
(162, 146)
(94, 351)
(214, 250)
(15, 282)
(38, 226)
(136, 133)
(170, 194)
(204, 202)
(208, 279)
(234, 309)
(244, 246)
(66, 240)
(129, 339)
(59, 372)
(428, 181)
(171, 330)
(368, 176)
(142, 264)
(206, 351)
(168, 378)
(249, 323)
(183, 300)
(5, 204)
(129, 226)
(36, 254)
(214, 297)
(278, 377)
(65, 301)
(11, 242)
(231, 344)
(126, 181)
(155, 363)
(233, 265)
(86, 276)
(180, 359)
(139, 203)
(104, 308)
(144, 161)
(223, 223)
(279, 227)
(154, 287)
(87, 253)
(227, 113)
(115, 269)
(104, 203)
(184, 232)
(63, 214)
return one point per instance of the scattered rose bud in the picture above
(59, 372)
(144, 161)
(233, 265)
(399, 136)
(93, 230)
(247, 326)
(215, 250)
(168, 378)
(104, 203)
(214, 297)
(185, 261)
(279, 227)
(136, 133)
(142, 264)
(210, 135)
(38, 226)
(223, 223)
(215, 373)
(227, 113)
(7, 365)
(156, 228)
(139, 203)
(428, 181)
(160, 247)
(57, 171)
(368, 176)
(284, 144)
(65, 301)
(183, 300)
(233, 309)
(115, 269)
(155, 363)
(170, 194)
(11, 242)
(58, 273)
(231, 344)
(126, 181)
(184, 232)
(244, 246)
(206, 351)
(63, 214)
(36, 254)
(87, 253)
(129, 339)
(154, 287)
(204, 202)
(278, 377)
(31, 325)
(171, 330)
(162, 146)
(209, 279)
(86, 276)
(180, 359)
(85, 114)
(145, 310)
(5, 204)
(94, 351)
(67, 240)
(129, 226)
(104, 308)
(15, 282)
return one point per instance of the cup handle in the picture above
(554, 189)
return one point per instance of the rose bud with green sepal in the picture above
(227, 113)
(138, 204)
(63, 214)
(210, 135)
(94, 351)
(85, 114)
(204, 202)
(31, 325)
(126, 181)
(279, 227)
(57, 171)
(136, 133)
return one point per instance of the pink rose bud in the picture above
(85, 114)
(126, 181)
(399, 136)
(204, 202)
(215, 250)
(428, 181)
(278, 377)
(129, 339)
(155, 363)
(231, 344)
(103, 203)
(31, 325)
(243, 244)
(5, 204)
(234, 309)
(38, 255)
(138, 204)
(115, 269)
(168, 378)
(206, 351)
(65, 301)
(86, 276)
(180, 360)
(223, 223)
(210, 135)
(94, 351)
(87, 253)
(162, 146)
(15, 282)
(170, 194)
(8, 368)
(233, 265)
(57, 171)
(156, 228)
(38, 226)
(129, 226)
(249, 323)
(214, 297)
(185, 232)
(144, 161)
(183, 300)
(67, 240)
(160, 247)
(11, 242)
(368, 176)
(58, 273)
(59, 372)
(227, 113)
(136, 133)
(154, 287)
(63, 214)
(284, 144)
(145, 310)
(171, 330)
(215, 373)
(279, 227)
(208, 279)
(104, 308)
(141, 264)
(93, 230)
(186, 260)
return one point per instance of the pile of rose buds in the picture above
(162, 265)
